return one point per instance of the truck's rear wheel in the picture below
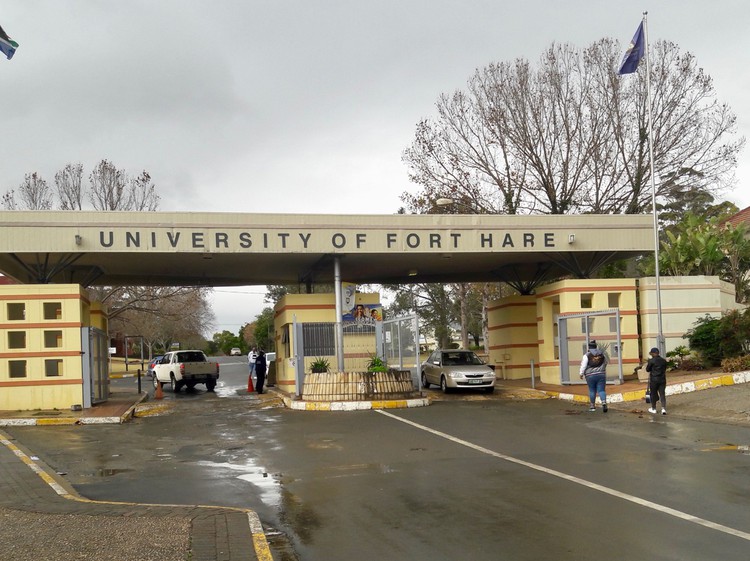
(176, 386)
(211, 385)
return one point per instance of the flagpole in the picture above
(660, 341)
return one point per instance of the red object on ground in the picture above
(250, 387)
(158, 393)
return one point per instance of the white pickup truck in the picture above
(186, 368)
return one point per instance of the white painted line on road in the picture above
(591, 485)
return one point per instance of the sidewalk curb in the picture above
(729, 379)
(68, 421)
(298, 405)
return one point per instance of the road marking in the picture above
(591, 485)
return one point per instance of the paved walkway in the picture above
(43, 518)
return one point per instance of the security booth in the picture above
(53, 348)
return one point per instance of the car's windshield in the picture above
(461, 359)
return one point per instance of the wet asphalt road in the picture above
(495, 479)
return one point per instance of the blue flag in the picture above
(634, 53)
(7, 45)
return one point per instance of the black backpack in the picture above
(596, 361)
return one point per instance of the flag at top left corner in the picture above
(7, 45)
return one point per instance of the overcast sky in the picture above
(306, 106)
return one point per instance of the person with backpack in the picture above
(657, 380)
(594, 369)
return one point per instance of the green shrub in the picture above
(676, 357)
(734, 333)
(704, 339)
(376, 364)
(320, 365)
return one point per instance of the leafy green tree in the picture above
(684, 199)
(735, 245)
(225, 341)
(264, 330)
(699, 247)
(434, 304)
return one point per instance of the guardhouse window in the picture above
(16, 339)
(17, 368)
(53, 367)
(587, 301)
(613, 299)
(52, 310)
(319, 339)
(53, 339)
(16, 311)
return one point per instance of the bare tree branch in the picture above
(69, 187)
(569, 135)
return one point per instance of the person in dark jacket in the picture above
(657, 380)
(260, 370)
(594, 369)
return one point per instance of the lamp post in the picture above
(444, 201)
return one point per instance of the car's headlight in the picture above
(455, 375)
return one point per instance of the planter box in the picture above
(358, 386)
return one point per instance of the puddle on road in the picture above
(267, 485)
(223, 390)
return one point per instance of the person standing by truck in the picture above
(260, 370)
(251, 356)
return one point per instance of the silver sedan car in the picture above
(453, 369)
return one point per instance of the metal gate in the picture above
(318, 340)
(401, 345)
(576, 330)
(95, 366)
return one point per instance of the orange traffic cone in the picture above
(250, 387)
(158, 392)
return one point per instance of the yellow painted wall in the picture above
(683, 301)
(574, 296)
(52, 333)
(525, 328)
(513, 336)
(310, 308)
